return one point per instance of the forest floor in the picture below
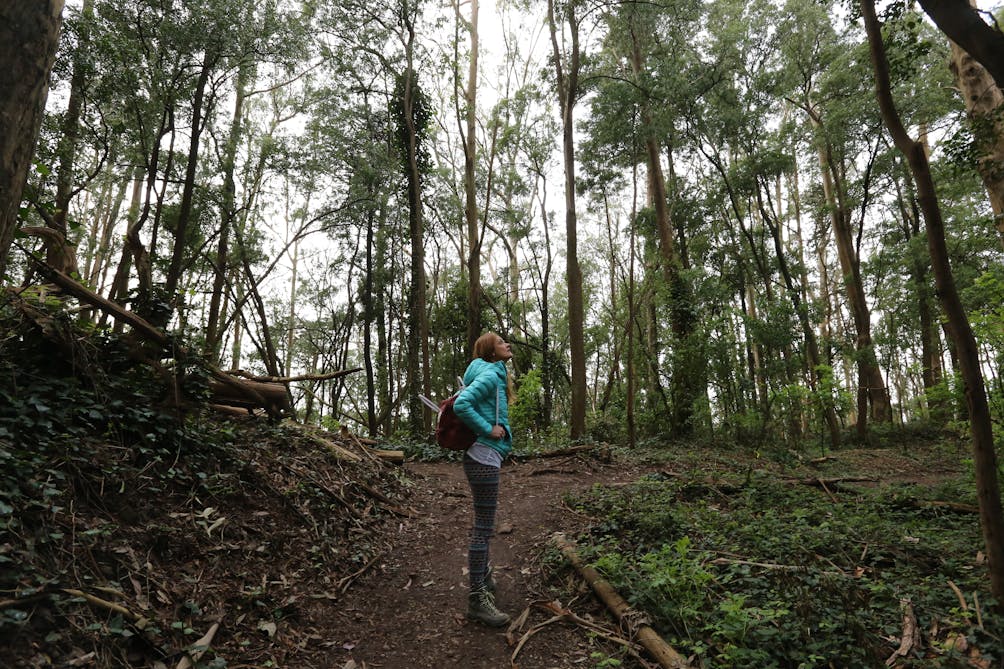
(299, 561)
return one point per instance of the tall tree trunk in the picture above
(469, 139)
(930, 339)
(228, 214)
(29, 34)
(98, 249)
(871, 386)
(291, 316)
(369, 313)
(58, 253)
(418, 335)
(134, 252)
(188, 190)
(818, 379)
(985, 105)
(685, 388)
(385, 324)
(546, 360)
(988, 491)
(568, 91)
(629, 330)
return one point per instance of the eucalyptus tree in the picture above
(29, 33)
(826, 80)
(468, 138)
(567, 64)
(160, 75)
(390, 39)
(984, 102)
(651, 39)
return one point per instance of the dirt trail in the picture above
(408, 611)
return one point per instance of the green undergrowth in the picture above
(739, 565)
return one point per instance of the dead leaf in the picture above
(269, 628)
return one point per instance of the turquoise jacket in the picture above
(485, 384)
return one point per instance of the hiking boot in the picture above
(481, 608)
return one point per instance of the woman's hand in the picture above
(497, 432)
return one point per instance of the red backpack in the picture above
(451, 432)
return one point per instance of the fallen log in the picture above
(237, 413)
(249, 394)
(395, 457)
(661, 652)
(242, 393)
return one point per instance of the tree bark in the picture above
(985, 105)
(988, 491)
(29, 34)
(685, 384)
(963, 24)
(228, 215)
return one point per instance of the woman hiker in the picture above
(483, 405)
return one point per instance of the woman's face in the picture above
(503, 350)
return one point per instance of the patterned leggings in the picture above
(484, 482)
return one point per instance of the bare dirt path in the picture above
(407, 612)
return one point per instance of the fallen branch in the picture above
(911, 635)
(139, 621)
(344, 583)
(339, 452)
(292, 379)
(198, 649)
(274, 405)
(320, 486)
(386, 503)
(834, 483)
(560, 614)
(782, 567)
(395, 457)
(663, 653)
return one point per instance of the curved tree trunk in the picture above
(988, 490)
(29, 34)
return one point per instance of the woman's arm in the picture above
(481, 392)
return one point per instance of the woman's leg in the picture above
(484, 482)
